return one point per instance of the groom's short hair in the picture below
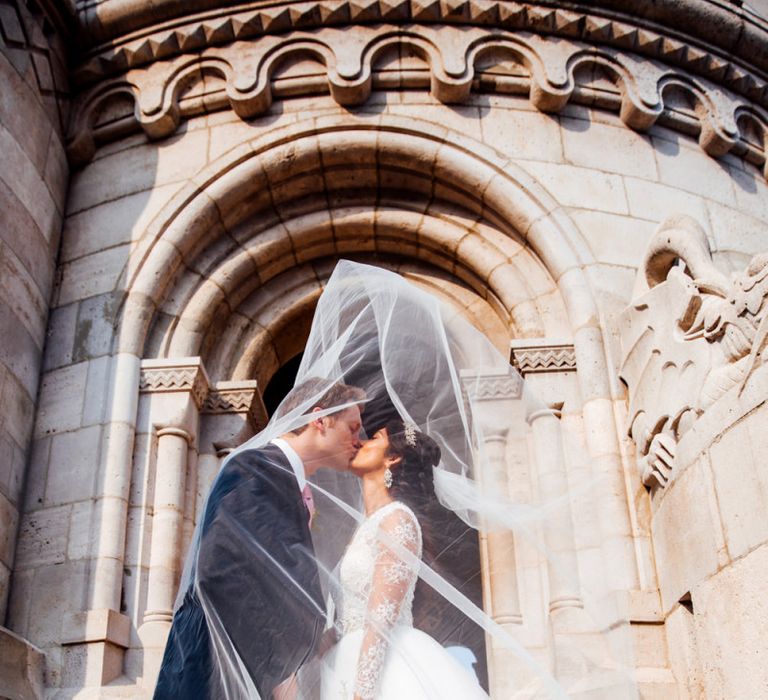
(328, 393)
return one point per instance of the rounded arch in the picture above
(424, 179)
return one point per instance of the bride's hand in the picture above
(328, 639)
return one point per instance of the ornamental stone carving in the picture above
(530, 357)
(244, 77)
(692, 337)
(169, 376)
(492, 387)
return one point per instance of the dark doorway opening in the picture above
(281, 383)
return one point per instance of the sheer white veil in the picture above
(488, 585)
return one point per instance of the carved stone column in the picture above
(494, 401)
(177, 390)
(562, 565)
(167, 521)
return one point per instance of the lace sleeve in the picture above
(392, 583)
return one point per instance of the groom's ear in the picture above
(317, 421)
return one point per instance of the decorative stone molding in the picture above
(531, 357)
(455, 63)
(625, 25)
(175, 375)
(492, 387)
(694, 336)
(240, 397)
(230, 397)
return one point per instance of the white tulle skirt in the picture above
(416, 668)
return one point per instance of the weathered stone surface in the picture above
(689, 507)
(43, 538)
(581, 188)
(614, 240)
(608, 149)
(21, 667)
(19, 353)
(28, 186)
(92, 275)
(71, 466)
(742, 486)
(521, 133)
(111, 223)
(94, 330)
(690, 170)
(738, 593)
(654, 201)
(62, 395)
(531, 224)
(60, 337)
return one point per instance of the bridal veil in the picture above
(513, 582)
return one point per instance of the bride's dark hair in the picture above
(412, 478)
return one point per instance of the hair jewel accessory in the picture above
(388, 478)
(410, 434)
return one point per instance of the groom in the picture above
(258, 600)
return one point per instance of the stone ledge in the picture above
(21, 667)
(96, 626)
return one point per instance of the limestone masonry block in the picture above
(683, 166)
(689, 511)
(728, 651)
(609, 149)
(654, 201)
(95, 274)
(522, 134)
(62, 395)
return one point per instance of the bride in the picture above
(381, 655)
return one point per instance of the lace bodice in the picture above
(378, 576)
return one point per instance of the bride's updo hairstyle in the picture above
(412, 478)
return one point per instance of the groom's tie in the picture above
(306, 495)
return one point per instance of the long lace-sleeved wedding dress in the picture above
(381, 655)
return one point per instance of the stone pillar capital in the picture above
(540, 355)
(175, 375)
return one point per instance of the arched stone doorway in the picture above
(220, 295)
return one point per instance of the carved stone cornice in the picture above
(686, 33)
(173, 376)
(543, 356)
(453, 68)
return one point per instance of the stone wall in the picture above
(33, 187)
(606, 185)
(517, 166)
(694, 342)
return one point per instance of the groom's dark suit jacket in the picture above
(257, 574)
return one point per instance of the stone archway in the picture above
(241, 252)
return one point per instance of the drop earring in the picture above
(388, 477)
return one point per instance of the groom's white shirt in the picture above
(295, 461)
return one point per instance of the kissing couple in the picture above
(295, 589)
(301, 578)
(255, 615)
